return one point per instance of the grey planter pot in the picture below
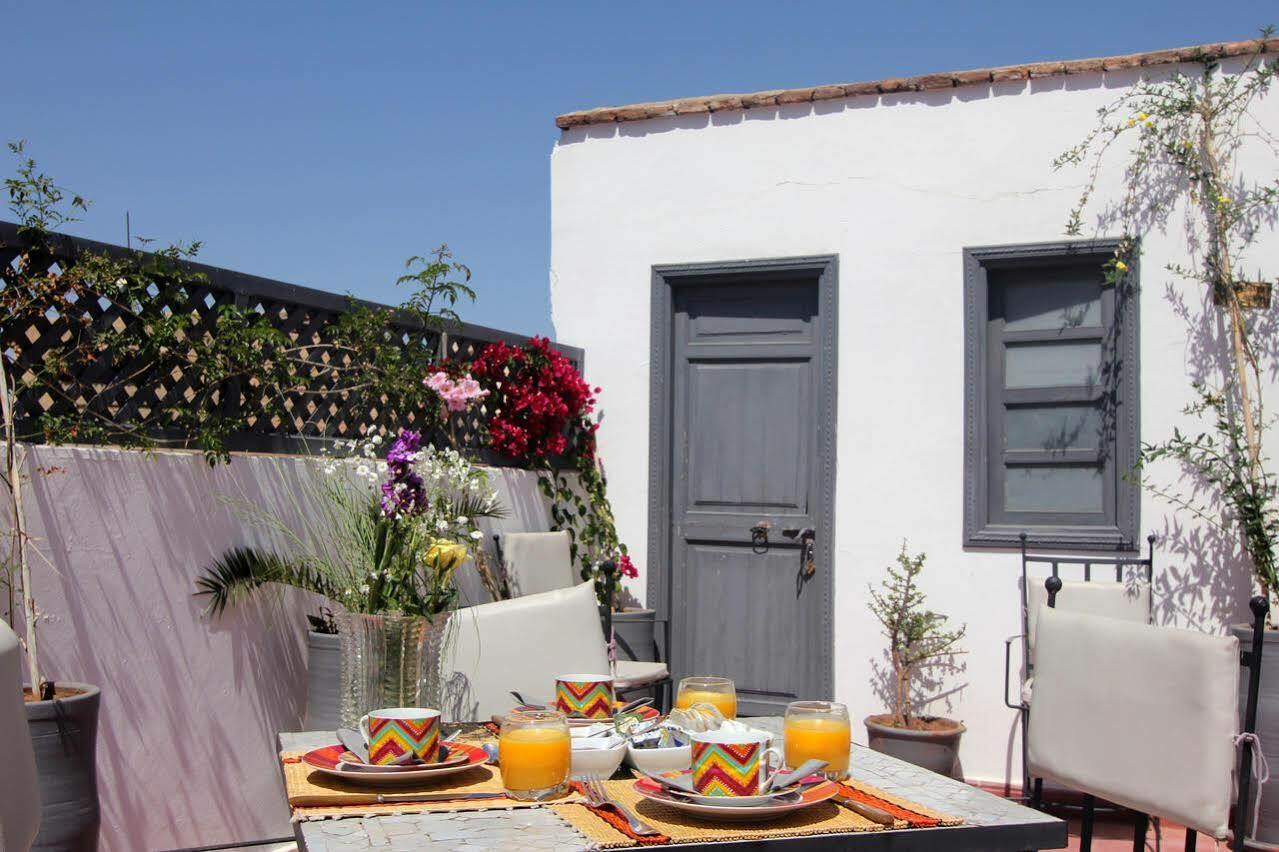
(323, 681)
(1267, 836)
(636, 636)
(936, 751)
(64, 735)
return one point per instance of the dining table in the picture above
(989, 823)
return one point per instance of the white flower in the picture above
(376, 439)
(442, 525)
(477, 535)
(363, 470)
(462, 520)
(364, 589)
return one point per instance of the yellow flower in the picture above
(1121, 266)
(1141, 116)
(1224, 199)
(1132, 122)
(445, 556)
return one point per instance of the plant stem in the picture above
(14, 466)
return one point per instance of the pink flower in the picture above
(457, 396)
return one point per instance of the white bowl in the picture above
(655, 761)
(597, 757)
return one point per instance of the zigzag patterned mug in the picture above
(395, 732)
(733, 763)
(584, 696)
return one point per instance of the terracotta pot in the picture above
(937, 751)
(64, 734)
(1251, 294)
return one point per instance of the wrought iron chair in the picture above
(1115, 599)
(1182, 685)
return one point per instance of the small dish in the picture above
(730, 813)
(596, 757)
(655, 761)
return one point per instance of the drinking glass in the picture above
(534, 753)
(820, 730)
(716, 691)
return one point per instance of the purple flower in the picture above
(403, 495)
(403, 492)
(404, 449)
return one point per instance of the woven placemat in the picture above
(907, 813)
(679, 827)
(313, 794)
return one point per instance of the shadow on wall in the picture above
(125, 535)
(191, 705)
(929, 694)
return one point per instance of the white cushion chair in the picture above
(1141, 716)
(537, 562)
(521, 644)
(20, 802)
(1127, 598)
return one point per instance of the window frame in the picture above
(980, 528)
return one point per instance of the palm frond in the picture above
(242, 570)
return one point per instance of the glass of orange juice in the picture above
(719, 692)
(534, 753)
(818, 730)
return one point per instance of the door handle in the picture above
(807, 548)
(759, 536)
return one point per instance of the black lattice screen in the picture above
(315, 410)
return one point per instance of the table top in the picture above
(990, 824)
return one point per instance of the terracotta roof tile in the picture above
(923, 82)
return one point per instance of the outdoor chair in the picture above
(541, 562)
(524, 644)
(1146, 717)
(1123, 598)
(20, 804)
(535, 562)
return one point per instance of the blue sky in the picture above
(323, 143)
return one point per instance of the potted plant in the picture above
(384, 548)
(917, 638)
(1183, 136)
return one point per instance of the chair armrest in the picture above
(1008, 653)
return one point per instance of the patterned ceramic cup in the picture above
(394, 733)
(584, 696)
(733, 763)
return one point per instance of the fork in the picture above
(596, 796)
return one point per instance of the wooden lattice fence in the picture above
(321, 408)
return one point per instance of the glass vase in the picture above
(388, 660)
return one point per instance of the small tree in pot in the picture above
(917, 638)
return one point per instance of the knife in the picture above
(387, 798)
(871, 812)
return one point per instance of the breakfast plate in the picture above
(779, 807)
(337, 761)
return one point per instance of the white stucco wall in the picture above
(896, 186)
(190, 706)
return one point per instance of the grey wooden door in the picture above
(751, 448)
